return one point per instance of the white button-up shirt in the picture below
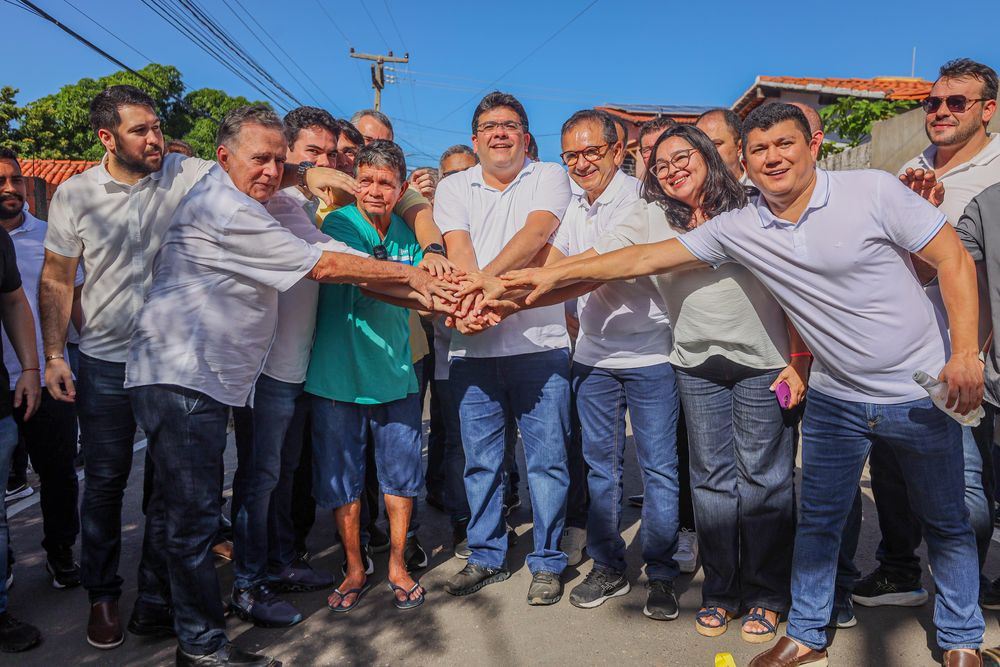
(116, 230)
(210, 316)
(844, 277)
(464, 202)
(622, 324)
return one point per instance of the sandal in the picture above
(357, 592)
(759, 615)
(717, 613)
(407, 603)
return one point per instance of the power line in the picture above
(332, 22)
(519, 62)
(394, 26)
(364, 6)
(87, 16)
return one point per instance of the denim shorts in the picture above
(340, 433)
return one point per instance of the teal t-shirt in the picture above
(361, 353)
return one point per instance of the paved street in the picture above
(493, 627)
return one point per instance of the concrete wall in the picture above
(859, 157)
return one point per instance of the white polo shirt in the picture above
(622, 324)
(464, 202)
(210, 316)
(28, 244)
(844, 277)
(116, 230)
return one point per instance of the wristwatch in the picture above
(436, 249)
(301, 172)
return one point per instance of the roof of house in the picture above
(880, 87)
(54, 171)
(639, 113)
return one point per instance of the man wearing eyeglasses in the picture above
(495, 216)
(965, 159)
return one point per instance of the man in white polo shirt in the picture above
(498, 216)
(833, 248)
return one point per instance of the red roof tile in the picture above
(885, 87)
(55, 171)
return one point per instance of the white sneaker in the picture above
(572, 543)
(687, 551)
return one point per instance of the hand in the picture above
(470, 324)
(483, 287)
(334, 187)
(540, 281)
(439, 305)
(964, 376)
(796, 375)
(437, 265)
(59, 380)
(28, 390)
(427, 287)
(924, 182)
(425, 181)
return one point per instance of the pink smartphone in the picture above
(783, 394)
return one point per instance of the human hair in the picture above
(767, 116)
(499, 100)
(105, 105)
(729, 117)
(458, 149)
(604, 120)
(966, 67)
(721, 192)
(620, 122)
(655, 125)
(380, 117)
(302, 118)
(352, 133)
(382, 153)
(256, 114)
(532, 148)
(178, 146)
(8, 154)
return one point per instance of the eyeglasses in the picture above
(645, 153)
(680, 160)
(590, 154)
(490, 126)
(955, 103)
(350, 153)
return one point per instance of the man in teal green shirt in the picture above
(362, 382)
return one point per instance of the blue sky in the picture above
(698, 53)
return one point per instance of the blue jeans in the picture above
(454, 456)
(8, 443)
(534, 388)
(262, 462)
(742, 465)
(837, 436)
(650, 395)
(289, 514)
(107, 430)
(187, 438)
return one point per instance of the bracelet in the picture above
(50, 357)
(37, 370)
(800, 354)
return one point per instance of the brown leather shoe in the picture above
(962, 659)
(104, 629)
(783, 653)
(223, 550)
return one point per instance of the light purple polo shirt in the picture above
(844, 277)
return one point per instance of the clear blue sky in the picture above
(645, 51)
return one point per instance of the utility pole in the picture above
(378, 70)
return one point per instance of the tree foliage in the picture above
(852, 118)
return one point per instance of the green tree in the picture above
(10, 115)
(852, 118)
(199, 130)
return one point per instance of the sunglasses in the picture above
(955, 103)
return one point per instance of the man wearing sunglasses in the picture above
(965, 159)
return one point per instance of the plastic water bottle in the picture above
(724, 660)
(938, 391)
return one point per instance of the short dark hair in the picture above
(620, 122)
(499, 100)
(767, 116)
(532, 148)
(382, 153)
(8, 154)
(458, 149)
(105, 105)
(179, 146)
(655, 125)
(721, 192)
(233, 122)
(604, 120)
(966, 67)
(352, 133)
(301, 118)
(729, 117)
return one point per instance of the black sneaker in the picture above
(843, 615)
(599, 585)
(16, 491)
(877, 590)
(378, 540)
(366, 556)
(546, 588)
(151, 620)
(17, 636)
(227, 656)
(473, 577)
(661, 601)
(260, 606)
(989, 595)
(414, 555)
(636, 501)
(298, 577)
(65, 572)
(511, 501)
(460, 539)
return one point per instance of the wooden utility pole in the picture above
(378, 70)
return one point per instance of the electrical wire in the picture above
(122, 41)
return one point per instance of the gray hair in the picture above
(256, 114)
(382, 153)
(458, 149)
(380, 117)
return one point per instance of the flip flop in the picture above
(357, 592)
(407, 603)
(717, 613)
(759, 615)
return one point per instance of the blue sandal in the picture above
(717, 613)
(407, 603)
(357, 592)
(759, 615)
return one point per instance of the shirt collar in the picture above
(819, 198)
(104, 176)
(30, 222)
(989, 152)
(476, 176)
